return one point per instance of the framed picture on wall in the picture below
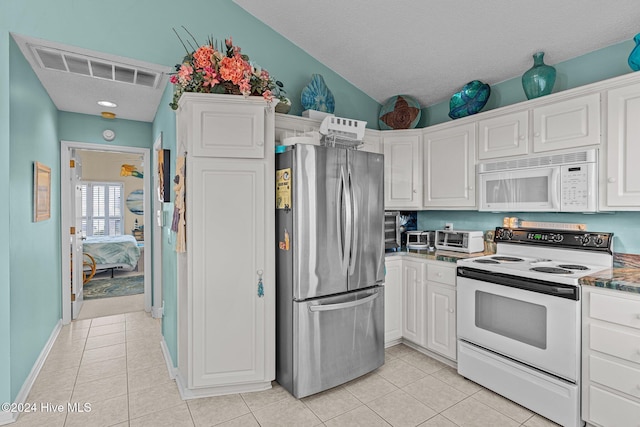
(164, 180)
(41, 192)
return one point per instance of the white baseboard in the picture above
(6, 417)
(156, 312)
(167, 359)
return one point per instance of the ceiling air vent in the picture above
(54, 59)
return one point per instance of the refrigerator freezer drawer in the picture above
(337, 339)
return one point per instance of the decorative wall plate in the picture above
(399, 112)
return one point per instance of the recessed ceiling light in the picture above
(107, 104)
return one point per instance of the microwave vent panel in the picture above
(535, 162)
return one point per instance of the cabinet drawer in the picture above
(442, 274)
(608, 409)
(615, 375)
(615, 342)
(623, 311)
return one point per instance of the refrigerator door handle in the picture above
(355, 224)
(344, 228)
(342, 305)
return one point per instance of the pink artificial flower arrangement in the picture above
(207, 69)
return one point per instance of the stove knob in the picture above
(599, 240)
(585, 239)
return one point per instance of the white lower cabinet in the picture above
(393, 300)
(414, 274)
(429, 304)
(610, 357)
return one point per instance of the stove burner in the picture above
(486, 261)
(552, 270)
(507, 258)
(573, 267)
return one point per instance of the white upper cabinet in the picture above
(502, 136)
(402, 174)
(620, 174)
(449, 168)
(372, 142)
(237, 130)
(567, 124)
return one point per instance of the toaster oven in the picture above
(460, 240)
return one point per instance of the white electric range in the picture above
(519, 316)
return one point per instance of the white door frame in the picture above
(67, 216)
(158, 225)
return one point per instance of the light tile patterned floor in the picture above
(115, 363)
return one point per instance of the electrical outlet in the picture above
(448, 226)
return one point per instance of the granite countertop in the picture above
(446, 256)
(624, 276)
(625, 279)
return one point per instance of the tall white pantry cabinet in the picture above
(226, 326)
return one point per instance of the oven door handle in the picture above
(524, 283)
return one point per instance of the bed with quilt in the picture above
(113, 252)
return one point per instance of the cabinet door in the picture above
(402, 172)
(449, 168)
(393, 300)
(228, 130)
(413, 319)
(623, 149)
(503, 136)
(441, 319)
(229, 322)
(567, 124)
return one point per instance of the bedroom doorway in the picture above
(108, 233)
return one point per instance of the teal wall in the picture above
(86, 128)
(624, 225)
(165, 123)
(34, 258)
(5, 224)
(593, 67)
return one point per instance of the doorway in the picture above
(114, 195)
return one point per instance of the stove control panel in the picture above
(557, 238)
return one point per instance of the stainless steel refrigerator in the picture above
(330, 266)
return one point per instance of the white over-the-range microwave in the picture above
(554, 183)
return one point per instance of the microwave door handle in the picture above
(555, 185)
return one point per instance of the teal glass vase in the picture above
(538, 80)
(634, 56)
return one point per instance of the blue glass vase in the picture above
(538, 80)
(634, 56)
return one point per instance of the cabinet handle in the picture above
(415, 191)
(260, 285)
(439, 274)
(469, 188)
(260, 143)
(522, 137)
(611, 179)
(638, 316)
(451, 310)
(537, 134)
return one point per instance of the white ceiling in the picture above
(430, 48)
(425, 48)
